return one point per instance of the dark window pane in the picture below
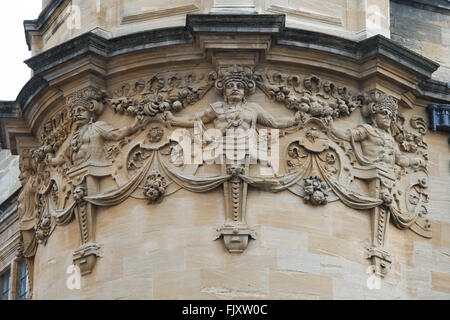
(4, 279)
(23, 280)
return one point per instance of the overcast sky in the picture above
(14, 50)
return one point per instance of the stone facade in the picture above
(123, 197)
(424, 31)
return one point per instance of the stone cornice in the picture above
(435, 89)
(376, 46)
(9, 109)
(44, 16)
(441, 6)
(97, 43)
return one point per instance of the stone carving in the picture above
(311, 96)
(61, 178)
(155, 134)
(155, 186)
(316, 190)
(85, 157)
(232, 117)
(161, 93)
(55, 131)
(379, 153)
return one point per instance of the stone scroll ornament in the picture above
(322, 164)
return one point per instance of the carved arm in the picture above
(358, 134)
(188, 122)
(120, 133)
(269, 120)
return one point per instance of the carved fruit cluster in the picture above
(155, 186)
(309, 95)
(316, 190)
(160, 93)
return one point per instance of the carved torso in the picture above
(87, 143)
(377, 145)
(233, 117)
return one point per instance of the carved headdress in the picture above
(91, 99)
(236, 73)
(377, 103)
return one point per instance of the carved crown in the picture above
(89, 98)
(236, 73)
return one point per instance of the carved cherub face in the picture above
(81, 114)
(383, 119)
(235, 91)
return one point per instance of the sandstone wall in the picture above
(425, 32)
(166, 250)
(351, 19)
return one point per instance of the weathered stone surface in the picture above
(9, 174)
(152, 221)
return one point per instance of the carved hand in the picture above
(416, 162)
(168, 116)
(140, 122)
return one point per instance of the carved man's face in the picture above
(23, 176)
(383, 119)
(81, 114)
(78, 194)
(235, 91)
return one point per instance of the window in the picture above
(23, 280)
(4, 282)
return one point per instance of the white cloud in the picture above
(13, 72)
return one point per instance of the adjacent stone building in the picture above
(229, 150)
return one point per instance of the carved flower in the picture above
(155, 186)
(316, 191)
(155, 134)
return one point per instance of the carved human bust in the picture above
(377, 144)
(86, 143)
(236, 84)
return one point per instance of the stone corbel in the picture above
(85, 257)
(235, 238)
(235, 232)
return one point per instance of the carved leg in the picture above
(380, 257)
(86, 255)
(235, 231)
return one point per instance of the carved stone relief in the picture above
(320, 163)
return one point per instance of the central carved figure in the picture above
(235, 118)
(234, 112)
